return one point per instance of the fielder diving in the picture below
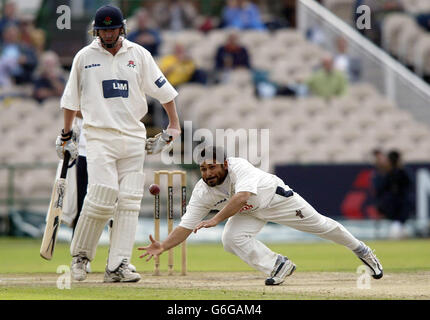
(250, 198)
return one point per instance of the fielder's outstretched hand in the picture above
(205, 224)
(154, 249)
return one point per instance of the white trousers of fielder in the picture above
(115, 186)
(240, 230)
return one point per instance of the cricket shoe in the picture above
(132, 267)
(283, 268)
(79, 267)
(370, 260)
(121, 274)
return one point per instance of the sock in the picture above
(361, 250)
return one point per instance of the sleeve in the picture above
(197, 209)
(71, 98)
(155, 83)
(245, 180)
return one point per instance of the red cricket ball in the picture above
(154, 189)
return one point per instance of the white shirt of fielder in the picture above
(242, 176)
(110, 90)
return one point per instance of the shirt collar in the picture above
(96, 44)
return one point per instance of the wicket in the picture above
(170, 175)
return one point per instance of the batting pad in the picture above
(98, 208)
(125, 219)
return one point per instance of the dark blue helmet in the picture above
(108, 17)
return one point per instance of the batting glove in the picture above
(161, 141)
(67, 141)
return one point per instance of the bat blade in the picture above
(53, 217)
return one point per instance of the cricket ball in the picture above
(154, 189)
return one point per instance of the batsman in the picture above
(108, 82)
(248, 198)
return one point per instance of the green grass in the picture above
(22, 256)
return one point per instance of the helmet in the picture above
(108, 17)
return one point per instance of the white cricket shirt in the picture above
(110, 90)
(242, 176)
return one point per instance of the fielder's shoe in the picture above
(132, 267)
(283, 268)
(121, 274)
(370, 260)
(79, 267)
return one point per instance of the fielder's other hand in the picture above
(205, 224)
(66, 141)
(160, 141)
(154, 249)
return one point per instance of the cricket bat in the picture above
(53, 217)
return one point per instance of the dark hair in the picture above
(213, 153)
(394, 157)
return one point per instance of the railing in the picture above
(11, 201)
(390, 77)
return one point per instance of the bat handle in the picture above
(65, 165)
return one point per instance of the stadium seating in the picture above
(303, 130)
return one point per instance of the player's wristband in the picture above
(66, 136)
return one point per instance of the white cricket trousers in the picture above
(240, 230)
(115, 189)
(111, 155)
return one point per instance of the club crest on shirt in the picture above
(131, 64)
(246, 207)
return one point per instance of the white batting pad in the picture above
(99, 206)
(125, 219)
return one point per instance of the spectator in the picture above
(178, 67)
(342, 61)
(316, 35)
(206, 23)
(174, 15)
(394, 193)
(265, 88)
(423, 19)
(232, 54)
(378, 175)
(8, 17)
(31, 36)
(147, 37)
(241, 14)
(17, 61)
(327, 82)
(49, 80)
(288, 12)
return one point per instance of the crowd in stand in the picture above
(380, 10)
(23, 59)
